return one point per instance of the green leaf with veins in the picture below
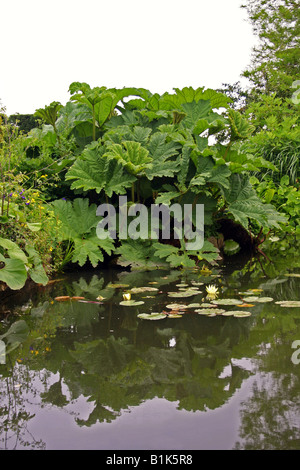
(94, 171)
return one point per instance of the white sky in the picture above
(157, 44)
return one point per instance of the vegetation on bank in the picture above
(234, 151)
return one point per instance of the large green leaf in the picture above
(91, 248)
(94, 171)
(131, 154)
(13, 250)
(13, 273)
(77, 217)
(36, 269)
(138, 254)
(162, 153)
(77, 223)
(244, 204)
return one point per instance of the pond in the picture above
(88, 372)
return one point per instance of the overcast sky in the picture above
(157, 44)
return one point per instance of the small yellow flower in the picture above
(50, 249)
(127, 296)
(44, 176)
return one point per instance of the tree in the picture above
(276, 60)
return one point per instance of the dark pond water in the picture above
(96, 376)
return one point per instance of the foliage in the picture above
(16, 265)
(277, 138)
(275, 63)
(76, 223)
(285, 197)
(160, 151)
(188, 147)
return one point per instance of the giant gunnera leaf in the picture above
(77, 224)
(92, 170)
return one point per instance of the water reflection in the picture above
(85, 369)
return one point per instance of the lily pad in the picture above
(194, 306)
(152, 316)
(131, 303)
(208, 311)
(176, 306)
(250, 299)
(140, 290)
(241, 313)
(182, 294)
(261, 300)
(174, 315)
(228, 302)
(288, 303)
(207, 305)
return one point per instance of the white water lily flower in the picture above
(127, 296)
(211, 290)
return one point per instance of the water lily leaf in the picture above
(131, 303)
(258, 299)
(182, 285)
(265, 299)
(197, 283)
(288, 303)
(62, 298)
(246, 305)
(139, 290)
(228, 313)
(182, 294)
(176, 306)
(195, 305)
(152, 316)
(207, 305)
(240, 313)
(251, 298)
(174, 315)
(228, 302)
(208, 311)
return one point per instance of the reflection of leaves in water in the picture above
(103, 357)
(100, 413)
(269, 416)
(54, 395)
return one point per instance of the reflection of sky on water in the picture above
(154, 424)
